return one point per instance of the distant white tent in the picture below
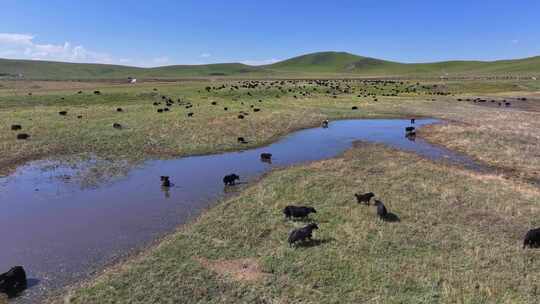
(533, 78)
(132, 80)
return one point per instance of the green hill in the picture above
(323, 64)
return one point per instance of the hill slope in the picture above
(323, 64)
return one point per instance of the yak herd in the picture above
(14, 281)
(305, 234)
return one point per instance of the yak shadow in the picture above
(314, 242)
(166, 191)
(32, 282)
(391, 218)
(233, 188)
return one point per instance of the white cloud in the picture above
(16, 39)
(23, 46)
(260, 62)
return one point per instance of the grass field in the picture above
(148, 134)
(458, 241)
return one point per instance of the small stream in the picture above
(61, 232)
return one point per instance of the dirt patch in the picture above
(241, 270)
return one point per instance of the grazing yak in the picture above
(230, 180)
(13, 282)
(241, 140)
(117, 125)
(532, 238)
(63, 113)
(23, 136)
(16, 127)
(302, 234)
(364, 198)
(298, 211)
(381, 209)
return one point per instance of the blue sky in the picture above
(159, 32)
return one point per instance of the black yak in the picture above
(409, 129)
(364, 198)
(23, 136)
(298, 211)
(266, 156)
(532, 238)
(381, 209)
(16, 127)
(117, 125)
(63, 113)
(325, 123)
(13, 282)
(302, 234)
(165, 181)
(230, 180)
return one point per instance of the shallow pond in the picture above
(61, 232)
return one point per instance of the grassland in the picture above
(459, 236)
(458, 241)
(315, 65)
(482, 132)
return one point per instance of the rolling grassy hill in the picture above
(323, 64)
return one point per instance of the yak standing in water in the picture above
(165, 181)
(13, 282)
(266, 157)
(230, 180)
